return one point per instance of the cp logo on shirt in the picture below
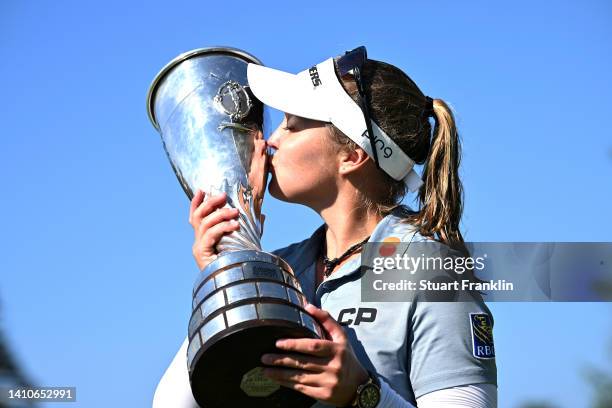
(356, 316)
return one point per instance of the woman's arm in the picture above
(173, 390)
(465, 396)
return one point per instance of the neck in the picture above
(347, 224)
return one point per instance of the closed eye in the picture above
(289, 122)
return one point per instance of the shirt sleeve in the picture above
(451, 344)
(467, 396)
(389, 398)
(173, 390)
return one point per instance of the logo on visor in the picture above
(378, 142)
(314, 76)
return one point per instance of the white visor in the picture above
(317, 94)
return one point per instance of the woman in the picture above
(385, 354)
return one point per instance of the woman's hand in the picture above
(210, 221)
(326, 370)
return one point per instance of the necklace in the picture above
(330, 264)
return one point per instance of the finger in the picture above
(224, 214)
(195, 202)
(290, 375)
(213, 235)
(296, 361)
(329, 323)
(315, 347)
(206, 207)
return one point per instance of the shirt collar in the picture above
(390, 226)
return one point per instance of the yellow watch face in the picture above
(369, 396)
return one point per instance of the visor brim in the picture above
(286, 92)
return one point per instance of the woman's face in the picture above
(304, 166)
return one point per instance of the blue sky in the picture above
(96, 267)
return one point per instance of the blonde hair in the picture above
(398, 106)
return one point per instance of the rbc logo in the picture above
(482, 336)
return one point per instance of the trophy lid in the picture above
(184, 56)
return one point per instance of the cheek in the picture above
(300, 169)
(297, 157)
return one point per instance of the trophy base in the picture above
(224, 373)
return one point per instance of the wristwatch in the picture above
(368, 394)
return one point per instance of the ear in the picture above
(352, 161)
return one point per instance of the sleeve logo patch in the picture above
(482, 335)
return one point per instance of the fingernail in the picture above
(280, 343)
(265, 359)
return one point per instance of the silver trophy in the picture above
(212, 131)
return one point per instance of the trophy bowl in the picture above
(211, 127)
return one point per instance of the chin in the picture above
(275, 191)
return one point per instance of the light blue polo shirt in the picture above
(415, 346)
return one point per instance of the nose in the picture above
(274, 138)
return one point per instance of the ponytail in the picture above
(441, 196)
(400, 108)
